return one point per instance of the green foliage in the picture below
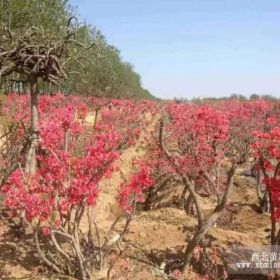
(99, 71)
(234, 96)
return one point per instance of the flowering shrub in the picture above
(267, 151)
(245, 117)
(199, 133)
(129, 118)
(191, 149)
(132, 193)
(72, 158)
(209, 263)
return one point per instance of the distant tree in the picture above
(180, 100)
(269, 97)
(233, 96)
(242, 97)
(197, 100)
(254, 96)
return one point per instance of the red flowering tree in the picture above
(130, 118)
(244, 119)
(192, 141)
(72, 158)
(267, 152)
(133, 192)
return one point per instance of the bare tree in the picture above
(35, 55)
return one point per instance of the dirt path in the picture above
(107, 209)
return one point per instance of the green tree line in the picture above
(98, 69)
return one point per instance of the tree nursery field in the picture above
(101, 180)
(122, 189)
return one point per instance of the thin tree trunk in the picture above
(190, 186)
(188, 205)
(31, 162)
(273, 223)
(265, 203)
(263, 198)
(209, 222)
(199, 235)
(183, 197)
(272, 209)
(42, 254)
(95, 118)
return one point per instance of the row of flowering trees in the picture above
(198, 147)
(72, 157)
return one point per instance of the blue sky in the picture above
(194, 48)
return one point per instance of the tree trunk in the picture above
(198, 237)
(209, 222)
(273, 222)
(265, 203)
(31, 162)
(190, 186)
(189, 206)
(183, 197)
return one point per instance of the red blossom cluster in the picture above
(267, 150)
(132, 193)
(245, 118)
(72, 156)
(199, 133)
(195, 137)
(65, 177)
